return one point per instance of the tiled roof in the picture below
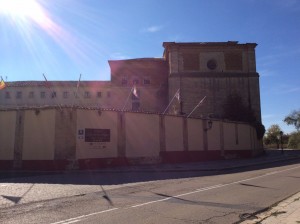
(228, 43)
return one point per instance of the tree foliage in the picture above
(293, 119)
(294, 140)
(260, 129)
(272, 134)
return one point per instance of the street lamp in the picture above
(209, 125)
(281, 143)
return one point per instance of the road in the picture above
(148, 197)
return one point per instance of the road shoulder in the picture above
(286, 211)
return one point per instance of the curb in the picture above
(147, 169)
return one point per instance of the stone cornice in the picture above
(213, 74)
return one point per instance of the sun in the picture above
(21, 9)
(31, 19)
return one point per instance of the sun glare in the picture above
(22, 9)
(17, 7)
(30, 19)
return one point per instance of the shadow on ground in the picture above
(144, 174)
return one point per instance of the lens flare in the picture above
(25, 22)
(23, 14)
(28, 11)
(22, 9)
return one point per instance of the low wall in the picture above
(7, 138)
(38, 138)
(142, 135)
(195, 134)
(95, 120)
(174, 133)
(66, 138)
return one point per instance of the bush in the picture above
(260, 130)
(294, 141)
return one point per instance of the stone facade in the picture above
(213, 70)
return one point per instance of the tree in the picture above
(271, 136)
(294, 140)
(293, 119)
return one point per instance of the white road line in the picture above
(77, 219)
(213, 187)
(150, 202)
(3, 185)
(180, 195)
(209, 188)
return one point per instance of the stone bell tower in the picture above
(214, 70)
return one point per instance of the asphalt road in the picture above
(149, 197)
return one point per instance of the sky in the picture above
(65, 38)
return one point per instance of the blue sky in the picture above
(63, 38)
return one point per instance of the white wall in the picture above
(214, 137)
(92, 119)
(39, 135)
(7, 134)
(244, 136)
(174, 133)
(142, 135)
(195, 134)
